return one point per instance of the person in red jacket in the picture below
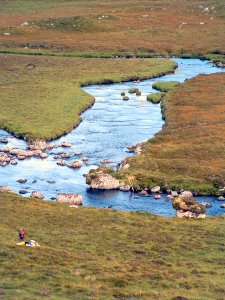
(21, 235)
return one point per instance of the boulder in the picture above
(78, 153)
(36, 194)
(13, 162)
(37, 152)
(106, 161)
(22, 180)
(206, 204)
(38, 145)
(174, 193)
(186, 194)
(188, 214)
(156, 189)
(50, 147)
(144, 193)
(124, 187)
(65, 144)
(125, 98)
(3, 140)
(188, 207)
(170, 197)
(44, 155)
(222, 205)
(5, 189)
(23, 192)
(61, 155)
(104, 182)
(72, 199)
(221, 198)
(4, 159)
(61, 163)
(85, 158)
(157, 196)
(76, 164)
(21, 157)
(5, 149)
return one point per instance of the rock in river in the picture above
(186, 194)
(188, 208)
(36, 194)
(124, 187)
(156, 189)
(3, 140)
(76, 164)
(72, 199)
(5, 189)
(22, 180)
(105, 182)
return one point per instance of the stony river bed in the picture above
(107, 129)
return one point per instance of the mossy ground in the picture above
(89, 253)
(165, 86)
(155, 97)
(189, 152)
(46, 101)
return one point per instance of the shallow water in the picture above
(108, 127)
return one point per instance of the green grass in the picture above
(165, 86)
(89, 253)
(189, 152)
(155, 97)
(46, 102)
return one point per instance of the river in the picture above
(108, 127)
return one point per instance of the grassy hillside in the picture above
(89, 253)
(177, 26)
(190, 150)
(45, 101)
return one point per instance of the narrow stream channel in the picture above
(108, 127)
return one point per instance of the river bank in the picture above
(106, 131)
(189, 152)
(105, 254)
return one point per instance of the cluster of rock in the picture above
(36, 149)
(11, 156)
(103, 181)
(187, 207)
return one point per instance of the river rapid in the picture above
(108, 127)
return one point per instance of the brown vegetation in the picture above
(190, 150)
(136, 26)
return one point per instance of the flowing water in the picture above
(108, 127)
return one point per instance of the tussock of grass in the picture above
(46, 102)
(155, 97)
(89, 253)
(165, 86)
(189, 152)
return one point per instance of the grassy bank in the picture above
(190, 150)
(41, 96)
(178, 27)
(89, 253)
